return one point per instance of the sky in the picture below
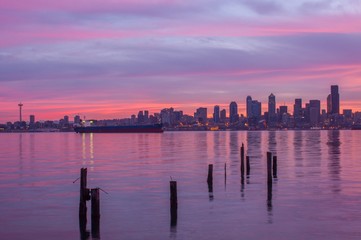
(108, 59)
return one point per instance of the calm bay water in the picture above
(317, 194)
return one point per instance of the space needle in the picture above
(20, 107)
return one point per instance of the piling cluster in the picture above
(87, 194)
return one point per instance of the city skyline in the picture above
(107, 59)
(253, 109)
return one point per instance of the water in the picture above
(317, 194)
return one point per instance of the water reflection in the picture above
(85, 151)
(269, 203)
(313, 153)
(334, 165)
(298, 151)
(272, 142)
(254, 141)
(20, 147)
(233, 142)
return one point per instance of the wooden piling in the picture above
(84, 192)
(210, 174)
(274, 164)
(95, 198)
(269, 196)
(173, 202)
(95, 228)
(248, 166)
(242, 160)
(269, 167)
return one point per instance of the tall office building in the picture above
(140, 117)
(272, 104)
(233, 112)
(249, 106)
(256, 110)
(32, 120)
(297, 108)
(223, 115)
(329, 104)
(216, 114)
(66, 119)
(335, 100)
(283, 110)
(146, 115)
(314, 112)
(201, 115)
(272, 117)
(77, 119)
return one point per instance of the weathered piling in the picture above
(242, 161)
(248, 166)
(95, 212)
(95, 203)
(84, 234)
(269, 196)
(269, 168)
(173, 203)
(84, 193)
(274, 164)
(210, 174)
(95, 228)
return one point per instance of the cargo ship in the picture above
(154, 128)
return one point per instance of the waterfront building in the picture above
(166, 116)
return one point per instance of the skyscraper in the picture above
(223, 116)
(256, 110)
(32, 120)
(249, 106)
(272, 117)
(201, 115)
(77, 119)
(329, 104)
(315, 110)
(335, 100)
(216, 114)
(272, 104)
(233, 112)
(297, 108)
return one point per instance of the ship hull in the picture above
(120, 129)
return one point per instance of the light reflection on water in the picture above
(317, 194)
